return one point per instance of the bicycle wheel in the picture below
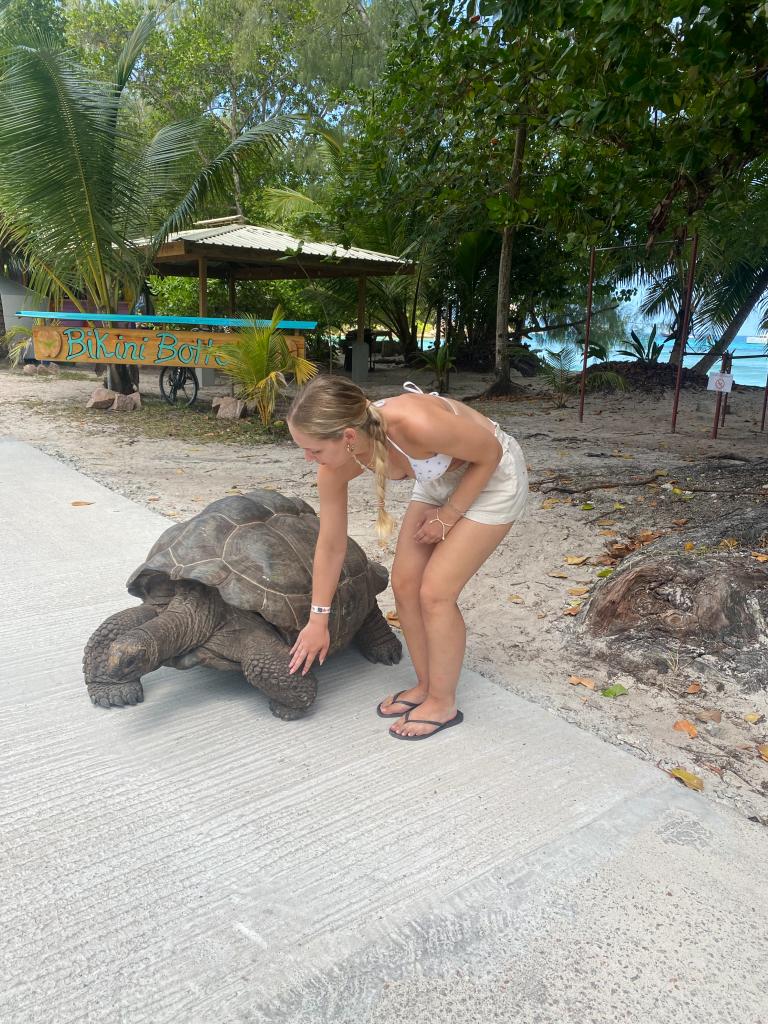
(178, 385)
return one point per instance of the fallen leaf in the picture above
(606, 522)
(690, 546)
(618, 507)
(604, 559)
(153, 498)
(694, 688)
(754, 718)
(607, 533)
(179, 472)
(683, 725)
(646, 536)
(728, 544)
(715, 768)
(80, 504)
(578, 591)
(576, 559)
(573, 609)
(550, 502)
(688, 778)
(763, 751)
(603, 573)
(759, 557)
(587, 506)
(541, 615)
(661, 472)
(709, 715)
(617, 690)
(680, 522)
(516, 599)
(393, 620)
(582, 681)
(558, 575)
(620, 549)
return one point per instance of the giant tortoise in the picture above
(231, 588)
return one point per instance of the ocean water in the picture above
(752, 371)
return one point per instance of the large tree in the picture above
(77, 190)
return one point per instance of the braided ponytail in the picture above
(374, 427)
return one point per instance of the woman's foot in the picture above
(430, 709)
(399, 703)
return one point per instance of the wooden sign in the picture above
(145, 348)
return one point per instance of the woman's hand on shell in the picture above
(311, 643)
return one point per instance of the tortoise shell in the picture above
(257, 550)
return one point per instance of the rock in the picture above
(230, 409)
(126, 403)
(48, 368)
(217, 402)
(30, 369)
(101, 398)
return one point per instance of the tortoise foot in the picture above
(287, 714)
(116, 695)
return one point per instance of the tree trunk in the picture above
(502, 385)
(705, 364)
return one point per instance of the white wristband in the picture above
(320, 609)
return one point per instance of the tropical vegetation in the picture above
(494, 143)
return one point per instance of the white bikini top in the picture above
(436, 465)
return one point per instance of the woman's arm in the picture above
(330, 551)
(331, 547)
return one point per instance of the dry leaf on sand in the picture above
(688, 778)
(582, 681)
(683, 725)
(578, 591)
(754, 718)
(694, 688)
(576, 559)
(709, 715)
(80, 504)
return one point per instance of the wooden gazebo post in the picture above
(359, 350)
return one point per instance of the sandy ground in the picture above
(518, 634)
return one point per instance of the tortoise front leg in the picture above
(102, 689)
(265, 660)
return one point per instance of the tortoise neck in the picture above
(190, 617)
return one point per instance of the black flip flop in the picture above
(395, 700)
(457, 719)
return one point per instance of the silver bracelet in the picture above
(320, 609)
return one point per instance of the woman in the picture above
(471, 484)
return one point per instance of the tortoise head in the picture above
(133, 655)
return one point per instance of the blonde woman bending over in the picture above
(471, 484)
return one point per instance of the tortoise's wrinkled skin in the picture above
(231, 589)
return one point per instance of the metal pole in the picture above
(728, 364)
(719, 401)
(684, 327)
(583, 385)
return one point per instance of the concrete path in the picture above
(194, 860)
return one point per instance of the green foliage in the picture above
(258, 363)
(559, 371)
(77, 191)
(441, 361)
(647, 352)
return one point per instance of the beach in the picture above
(521, 634)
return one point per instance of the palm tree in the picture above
(258, 362)
(76, 186)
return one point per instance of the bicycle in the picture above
(178, 385)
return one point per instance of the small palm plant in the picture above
(258, 363)
(440, 361)
(646, 352)
(559, 371)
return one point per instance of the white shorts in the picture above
(503, 498)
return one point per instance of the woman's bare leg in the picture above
(411, 559)
(454, 562)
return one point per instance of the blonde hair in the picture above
(324, 407)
